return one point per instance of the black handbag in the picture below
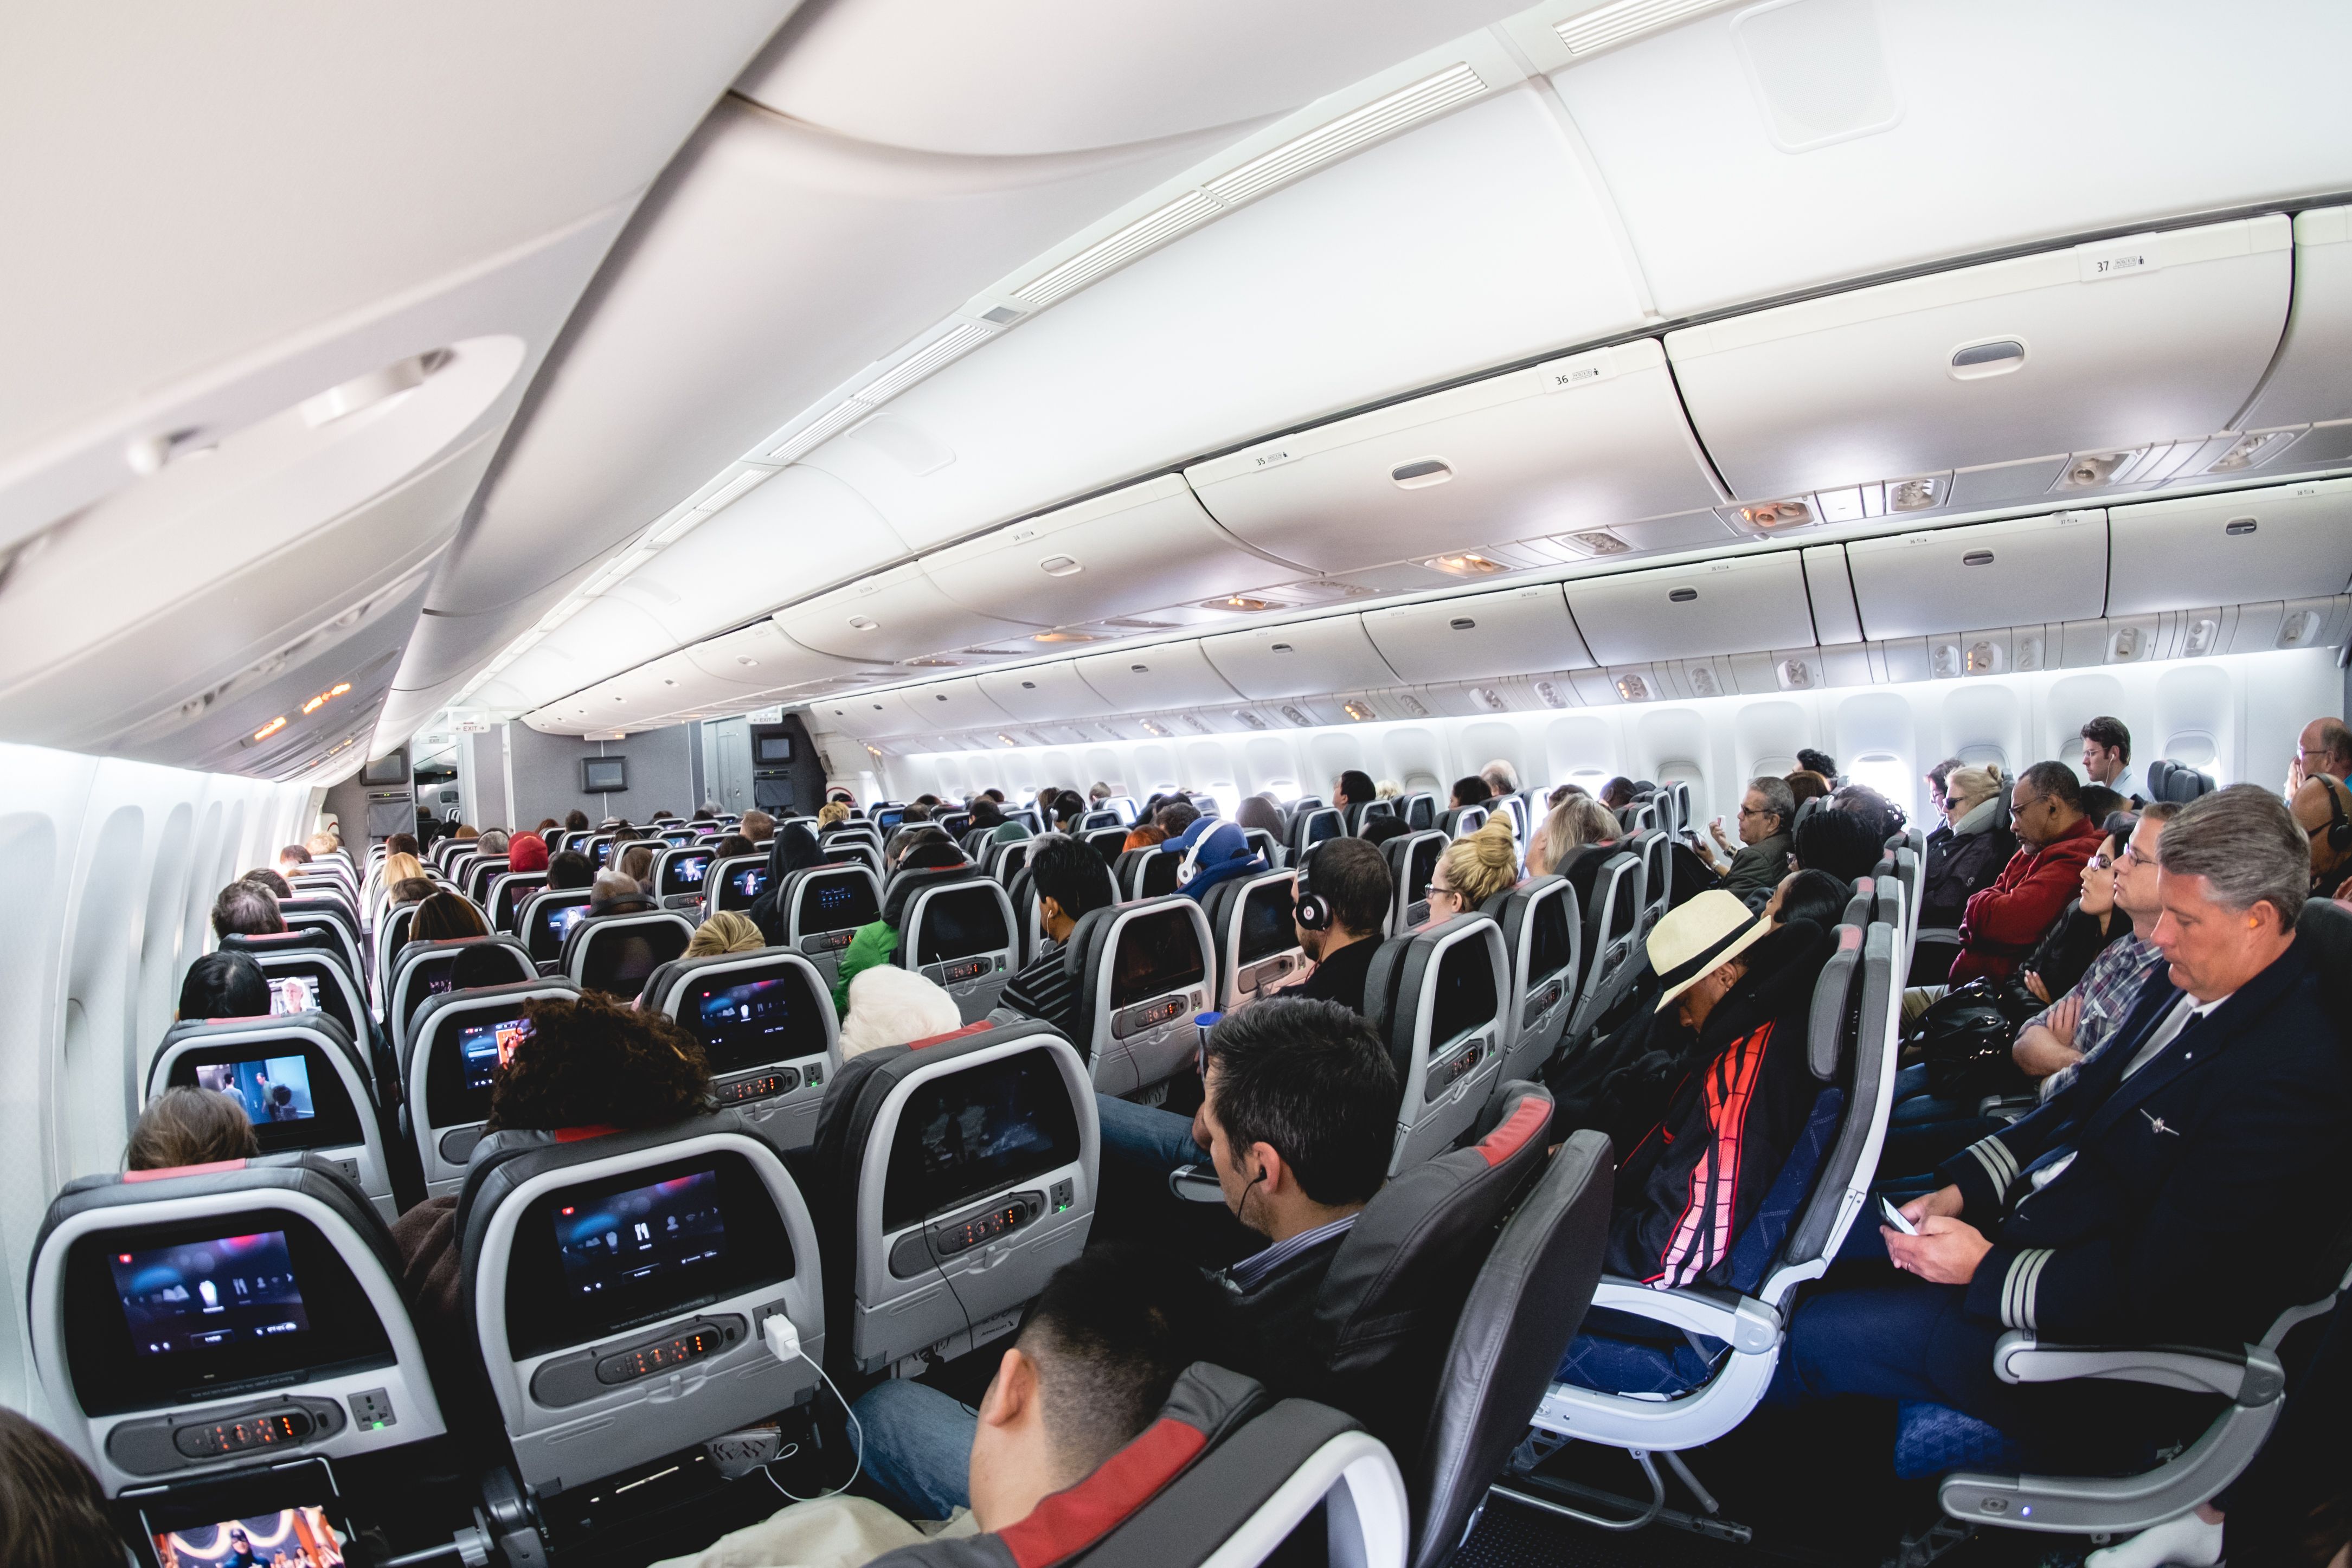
(1965, 1039)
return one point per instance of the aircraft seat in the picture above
(824, 906)
(1254, 936)
(390, 935)
(1543, 935)
(1262, 841)
(457, 1045)
(767, 1026)
(1461, 821)
(423, 968)
(1028, 913)
(1109, 842)
(1728, 1339)
(1310, 826)
(546, 919)
(330, 917)
(311, 1325)
(1611, 940)
(958, 931)
(504, 899)
(1436, 997)
(955, 1175)
(616, 953)
(681, 877)
(1656, 851)
(2177, 781)
(1144, 970)
(481, 873)
(1419, 810)
(1004, 860)
(735, 881)
(618, 1288)
(305, 967)
(1135, 866)
(1413, 861)
(303, 1082)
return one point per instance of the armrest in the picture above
(1195, 1184)
(1747, 1325)
(2250, 1376)
(2009, 1106)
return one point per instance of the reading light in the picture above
(323, 698)
(1064, 636)
(1358, 711)
(270, 729)
(1632, 689)
(1792, 513)
(1412, 706)
(1242, 602)
(1250, 718)
(1550, 694)
(1596, 541)
(2248, 450)
(1464, 565)
(1154, 727)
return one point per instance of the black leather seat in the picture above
(1144, 972)
(1254, 935)
(423, 968)
(616, 953)
(1543, 937)
(767, 1026)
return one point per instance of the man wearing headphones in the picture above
(1344, 891)
(2323, 806)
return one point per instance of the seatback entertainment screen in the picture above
(959, 922)
(273, 1088)
(488, 1047)
(837, 903)
(751, 882)
(1466, 993)
(972, 1133)
(642, 1240)
(684, 873)
(205, 1295)
(292, 993)
(752, 1020)
(1266, 924)
(1158, 953)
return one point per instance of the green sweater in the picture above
(875, 943)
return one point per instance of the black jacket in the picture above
(2072, 945)
(2203, 1192)
(1340, 977)
(1961, 865)
(1269, 1330)
(794, 848)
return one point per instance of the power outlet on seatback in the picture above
(741, 1452)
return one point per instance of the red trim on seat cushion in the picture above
(1849, 936)
(950, 1035)
(582, 1134)
(1071, 1520)
(206, 1168)
(1512, 1136)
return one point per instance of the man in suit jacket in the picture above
(2180, 1189)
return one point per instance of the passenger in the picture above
(728, 930)
(247, 909)
(1885, 819)
(527, 852)
(53, 1512)
(1353, 787)
(1069, 810)
(2162, 1197)
(324, 843)
(2100, 803)
(1474, 868)
(494, 842)
(1820, 763)
(907, 839)
(413, 890)
(832, 813)
(292, 858)
(1501, 778)
(446, 917)
(399, 868)
(185, 1125)
(575, 821)
(1805, 784)
(2324, 747)
(1965, 855)
(1259, 814)
(1841, 843)
(465, 833)
(224, 985)
(404, 844)
(1938, 781)
(1097, 794)
(1470, 791)
(794, 848)
(2085, 927)
(1220, 851)
(1617, 794)
(734, 844)
(1098, 1356)
(637, 863)
(280, 888)
(1814, 896)
(1145, 835)
(1765, 814)
(756, 826)
(1175, 817)
(616, 892)
(1388, 789)
(893, 1006)
(1577, 823)
(545, 825)
(589, 1061)
(2323, 809)
(570, 870)
(918, 812)
(2107, 755)
(2054, 1042)
(1001, 829)
(2004, 922)
(1350, 888)
(876, 941)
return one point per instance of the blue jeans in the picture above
(1146, 1137)
(918, 1446)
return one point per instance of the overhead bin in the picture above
(760, 657)
(891, 617)
(1306, 658)
(1136, 549)
(1043, 692)
(1829, 585)
(1990, 574)
(1741, 605)
(2103, 347)
(2308, 383)
(1576, 443)
(1517, 631)
(1146, 679)
(959, 704)
(2294, 540)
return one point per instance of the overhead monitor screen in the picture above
(1158, 953)
(1266, 924)
(642, 1241)
(205, 1295)
(684, 873)
(977, 1132)
(839, 903)
(488, 1047)
(960, 922)
(274, 1089)
(771, 751)
(1466, 993)
(292, 994)
(600, 775)
(753, 1021)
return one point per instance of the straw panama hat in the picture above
(1701, 936)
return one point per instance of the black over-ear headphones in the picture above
(1310, 908)
(2339, 830)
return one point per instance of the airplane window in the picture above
(1890, 776)
(1285, 790)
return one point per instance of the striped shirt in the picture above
(2108, 988)
(1259, 1265)
(1048, 991)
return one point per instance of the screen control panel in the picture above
(661, 1355)
(979, 1229)
(760, 1086)
(1541, 1000)
(581, 1375)
(1445, 1075)
(1151, 1014)
(155, 1447)
(826, 941)
(271, 1429)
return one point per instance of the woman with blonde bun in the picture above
(1474, 870)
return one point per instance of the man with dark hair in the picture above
(2174, 1193)
(1766, 812)
(1070, 882)
(224, 985)
(1471, 791)
(2055, 842)
(405, 843)
(1821, 763)
(263, 877)
(1938, 783)
(1618, 792)
(575, 821)
(2106, 754)
(1175, 817)
(1838, 842)
(1353, 787)
(247, 909)
(1348, 880)
(571, 869)
(292, 856)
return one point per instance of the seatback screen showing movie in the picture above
(977, 1132)
(684, 873)
(292, 1537)
(292, 994)
(210, 1295)
(837, 903)
(1267, 927)
(486, 1047)
(1466, 993)
(642, 1241)
(748, 883)
(961, 921)
(749, 1020)
(1158, 953)
(272, 1089)
(1550, 944)
(556, 924)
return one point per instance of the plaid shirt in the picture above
(2107, 989)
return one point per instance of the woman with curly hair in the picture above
(589, 1062)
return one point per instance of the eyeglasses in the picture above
(2101, 863)
(1756, 811)
(1437, 887)
(2130, 852)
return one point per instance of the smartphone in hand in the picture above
(1894, 1218)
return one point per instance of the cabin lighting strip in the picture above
(1626, 20)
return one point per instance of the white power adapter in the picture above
(783, 1339)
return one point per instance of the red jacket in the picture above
(2005, 921)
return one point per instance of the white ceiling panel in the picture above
(1990, 574)
(1472, 241)
(2011, 122)
(1514, 631)
(1043, 692)
(1150, 680)
(890, 617)
(1052, 76)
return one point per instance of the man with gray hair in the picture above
(1501, 776)
(2181, 1190)
(1767, 811)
